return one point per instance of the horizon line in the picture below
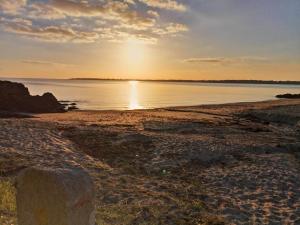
(245, 81)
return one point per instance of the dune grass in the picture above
(7, 203)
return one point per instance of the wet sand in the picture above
(217, 164)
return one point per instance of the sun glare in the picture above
(135, 51)
(134, 56)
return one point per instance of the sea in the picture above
(129, 95)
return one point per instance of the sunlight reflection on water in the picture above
(134, 98)
(129, 95)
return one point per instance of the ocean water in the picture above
(128, 95)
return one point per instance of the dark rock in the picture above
(289, 96)
(15, 97)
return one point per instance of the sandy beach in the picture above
(214, 164)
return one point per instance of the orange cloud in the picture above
(165, 4)
(223, 60)
(48, 33)
(87, 21)
(12, 6)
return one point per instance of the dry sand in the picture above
(218, 164)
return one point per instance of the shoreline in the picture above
(270, 101)
(271, 82)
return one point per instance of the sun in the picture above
(135, 51)
(134, 56)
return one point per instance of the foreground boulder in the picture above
(15, 97)
(55, 197)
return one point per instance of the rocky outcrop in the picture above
(15, 97)
(289, 96)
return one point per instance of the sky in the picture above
(150, 39)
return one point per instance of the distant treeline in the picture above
(202, 81)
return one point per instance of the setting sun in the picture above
(135, 56)
(134, 51)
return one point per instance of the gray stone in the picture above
(55, 197)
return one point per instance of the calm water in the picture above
(103, 95)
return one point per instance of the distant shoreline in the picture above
(199, 81)
(280, 82)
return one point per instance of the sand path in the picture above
(38, 144)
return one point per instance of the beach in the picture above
(236, 163)
(149, 112)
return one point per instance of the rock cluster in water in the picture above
(15, 97)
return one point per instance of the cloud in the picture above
(165, 4)
(111, 10)
(205, 60)
(12, 6)
(150, 36)
(153, 13)
(88, 20)
(43, 63)
(43, 11)
(223, 60)
(172, 28)
(48, 33)
(85, 8)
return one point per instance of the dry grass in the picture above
(7, 203)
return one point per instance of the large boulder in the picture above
(55, 197)
(15, 97)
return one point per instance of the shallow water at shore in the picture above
(124, 95)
